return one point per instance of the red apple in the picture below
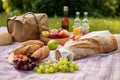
(60, 29)
(63, 33)
(54, 35)
(45, 34)
(54, 30)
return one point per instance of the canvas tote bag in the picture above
(27, 26)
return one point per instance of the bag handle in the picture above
(33, 16)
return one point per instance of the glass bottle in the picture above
(85, 24)
(65, 20)
(77, 25)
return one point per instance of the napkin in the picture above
(117, 36)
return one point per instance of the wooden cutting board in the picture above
(10, 58)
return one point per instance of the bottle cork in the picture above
(65, 8)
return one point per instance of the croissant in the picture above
(31, 42)
(41, 53)
(26, 49)
(91, 46)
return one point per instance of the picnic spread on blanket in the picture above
(30, 51)
(96, 67)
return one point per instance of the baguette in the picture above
(26, 49)
(41, 53)
(32, 42)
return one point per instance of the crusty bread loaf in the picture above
(26, 49)
(32, 42)
(107, 43)
(93, 45)
(41, 53)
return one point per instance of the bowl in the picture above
(61, 41)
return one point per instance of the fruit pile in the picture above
(55, 33)
(62, 66)
(25, 64)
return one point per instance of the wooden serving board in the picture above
(10, 58)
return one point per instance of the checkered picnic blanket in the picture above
(97, 67)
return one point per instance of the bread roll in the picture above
(5, 38)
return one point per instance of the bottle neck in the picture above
(77, 16)
(66, 13)
(85, 16)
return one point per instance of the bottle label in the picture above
(85, 25)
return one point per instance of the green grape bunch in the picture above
(62, 66)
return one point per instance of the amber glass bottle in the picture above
(65, 20)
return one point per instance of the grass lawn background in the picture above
(96, 24)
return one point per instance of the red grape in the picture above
(25, 67)
(15, 61)
(25, 61)
(19, 63)
(17, 67)
(30, 66)
(32, 58)
(33, 64)
(28, 56)
(21, 68)
(36, 58)
(27, 64)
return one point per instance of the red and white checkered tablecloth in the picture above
(98, 67)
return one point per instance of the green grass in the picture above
(112, 24)
(96, 24)
(3, 19)
(56, 22)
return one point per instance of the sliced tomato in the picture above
(20, 56)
